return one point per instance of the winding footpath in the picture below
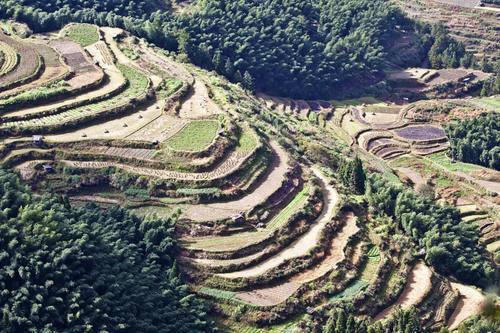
(302, 245)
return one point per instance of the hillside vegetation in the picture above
(313, 48)
(66, 269)
(477, 140)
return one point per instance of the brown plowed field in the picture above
(269, 296)
(418, 284)
(336, 252)
(469, 305)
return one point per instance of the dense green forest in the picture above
(476, 140)
(70, 269)
(451, 245)
(298, 48)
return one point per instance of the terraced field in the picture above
(268, 185)
(10, 58)
(195, 136)
(302, 245)
(418, 283)
(268, 227)
(28, 67)
(136, 88)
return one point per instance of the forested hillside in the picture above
(68, 270)
(305, 49)
(477, 140)
(439, 230)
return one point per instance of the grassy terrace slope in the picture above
(83, 34)
(195, 136)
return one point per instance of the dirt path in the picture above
(336, 252)
(494, 9)
(302, 245)
(224, 210)
(469, 304)
(488, 185)
(418, 283)
(198, 104)
(269, 296)
(461, 3)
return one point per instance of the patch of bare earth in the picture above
(336, 252)
(413, 175)
(74, 56)
(95, 198)
(304, 243)
(27, 169)
(228, 262)
(469, 304)
(356, 257)
(269, 296)
(419, 282)
(198, 104)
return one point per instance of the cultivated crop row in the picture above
(137, 86)
(106, 56)
(30, 64)
(231, 163)
(420, 133)
(291, 208)
(138, 153)
(10, 58)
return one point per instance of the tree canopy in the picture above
(68, 269)
(476, 140)
(300, 48)
(451, 245)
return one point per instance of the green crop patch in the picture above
(354, 288)
(444, 161)
(291, 208)
(83, 34)
(195, 136)
(247, 140)
(198, 191)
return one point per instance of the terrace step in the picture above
(304, 243)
